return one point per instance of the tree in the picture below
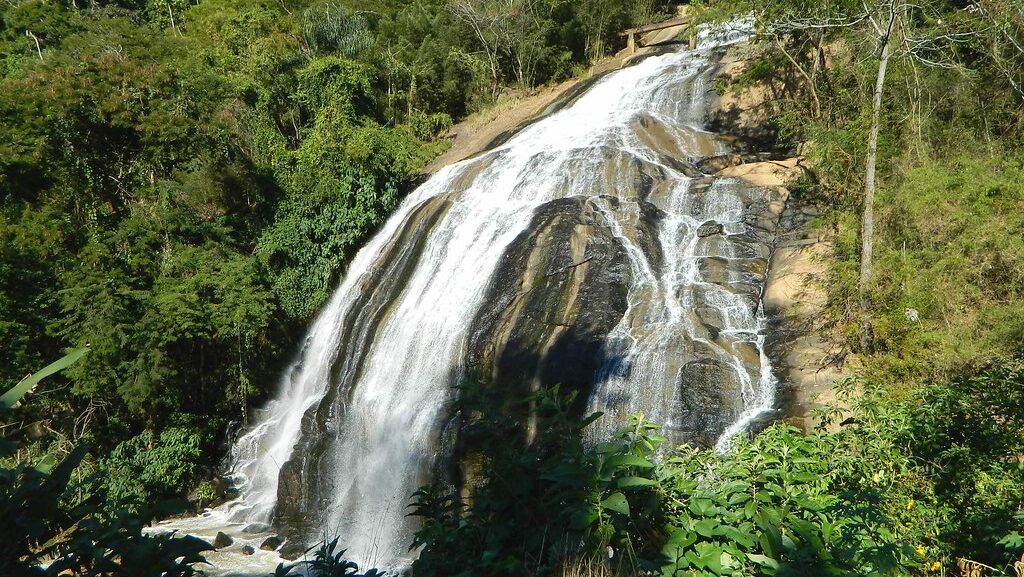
(914, 32)
(47, 521)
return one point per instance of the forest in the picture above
(183, 182)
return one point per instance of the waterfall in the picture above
(356, 425)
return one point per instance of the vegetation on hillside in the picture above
(946, 213)
(56, 524)
(896, 488)
(182, 182)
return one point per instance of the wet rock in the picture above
(292, 551)
(710, 228)
(271, 543)
(707, 387)
(732, 246)
(714, 164)
(222, 540)
(711, 318)
(248, 550)
(560, 290)
(257, 528)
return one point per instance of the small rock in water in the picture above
(709, 228)
(292, 551)
(248, 550)
(271, 543)
(222, 540)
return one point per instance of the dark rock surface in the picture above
(560, 289)
(709, 228)
(271, 543)
(222, 540)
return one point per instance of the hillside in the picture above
(466, 287)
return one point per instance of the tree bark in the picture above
(868, 219)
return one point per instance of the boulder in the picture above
(710, 228)
(222, 540)
(292, 551)
(271, 543)
(248, 550)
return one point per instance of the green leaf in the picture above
(738, 498)
(681, 538)
(618, 461)
(703, 507)
(616, 502)
(11, 397)
(627, 482)
(590, 420)
(763, 560)
(46, 464)
(706, 527)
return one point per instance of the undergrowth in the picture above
(895, 488)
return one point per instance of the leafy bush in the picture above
(968, 437)
(48, 518)
(145, 468)
(899, 488)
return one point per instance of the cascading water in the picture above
(597, 203)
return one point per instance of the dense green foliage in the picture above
(899, 488)
(952, 248)
(49, 517)
(182, 183)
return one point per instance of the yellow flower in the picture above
(910, 504)
(920, 550)
(936, 566)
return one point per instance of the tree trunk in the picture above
(868, 220)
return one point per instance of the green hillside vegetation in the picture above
(183, 182)
(947, 211)
(881, 488)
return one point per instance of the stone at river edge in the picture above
(248, 550)
(271, 543)
(222, 540)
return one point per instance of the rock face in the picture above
(590, 250)
(560, 290)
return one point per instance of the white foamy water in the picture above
(382, 425)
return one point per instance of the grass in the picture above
(950, 245)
